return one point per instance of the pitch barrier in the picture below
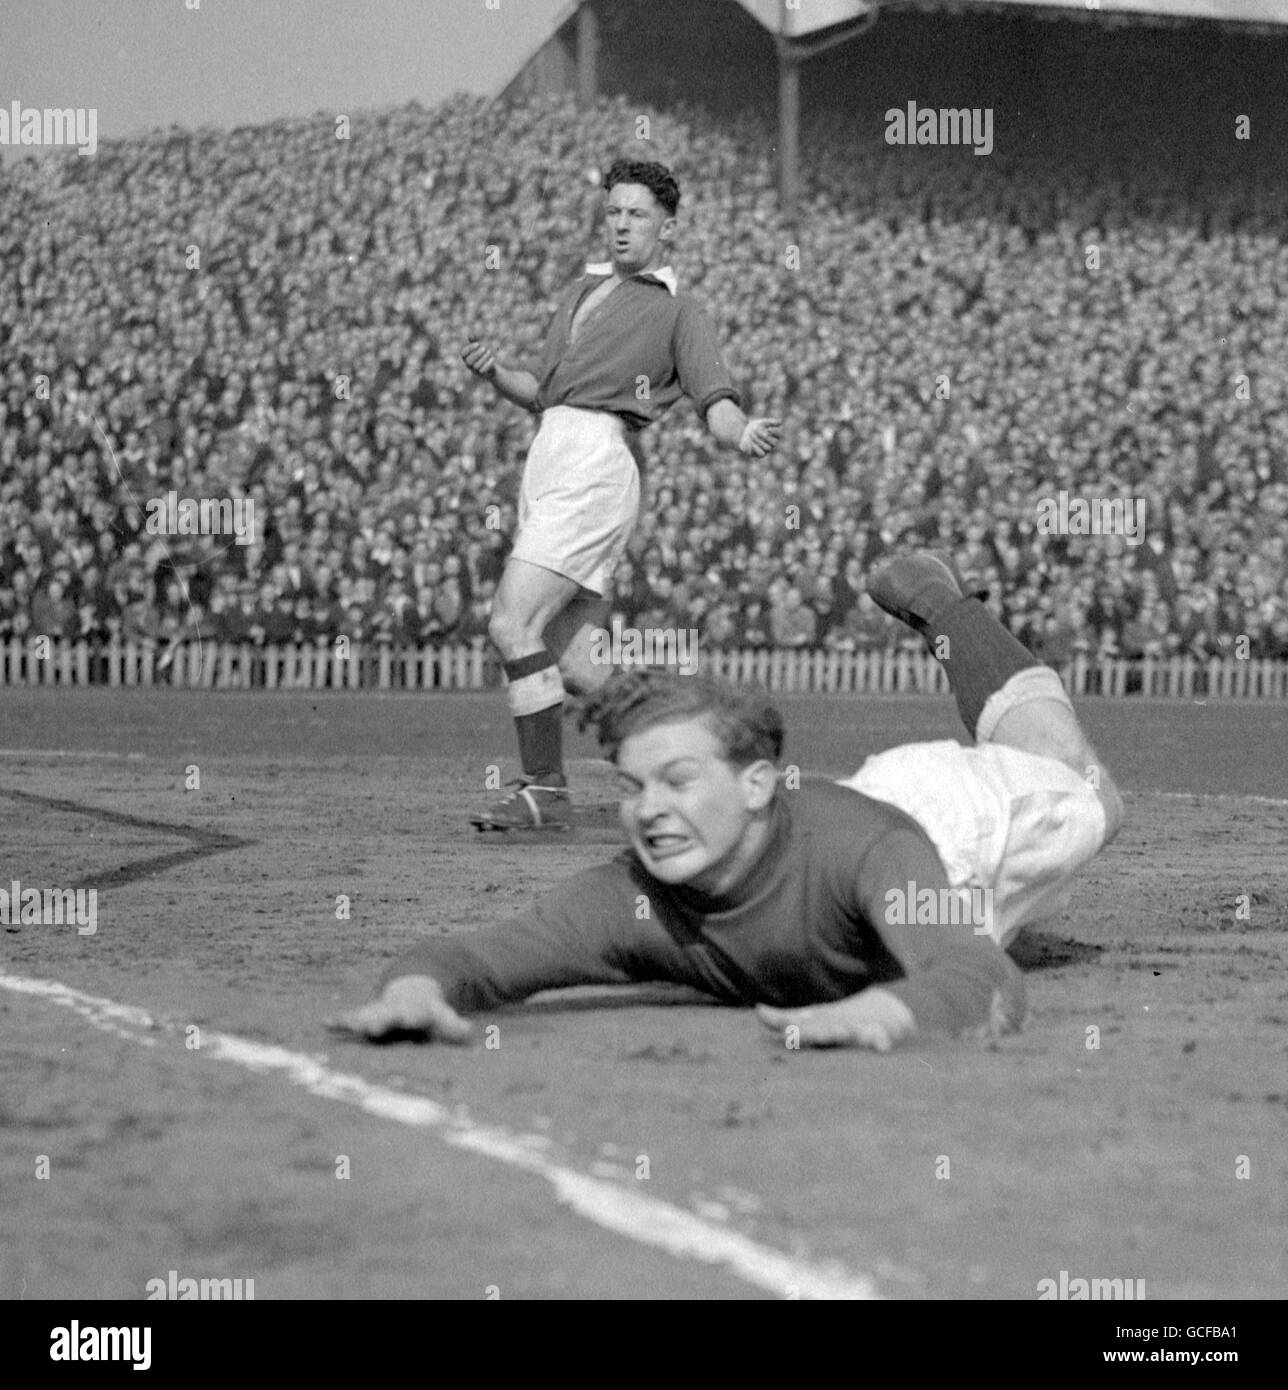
(341, 664)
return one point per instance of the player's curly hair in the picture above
(748, 726)
(657, 178)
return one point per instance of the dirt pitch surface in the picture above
(172, 1070)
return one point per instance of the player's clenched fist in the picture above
(413, 1004)
(760, 436)
(874, 1018)
(479, 358)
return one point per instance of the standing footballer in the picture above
(624, 345)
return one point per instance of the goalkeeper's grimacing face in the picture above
(692, 817)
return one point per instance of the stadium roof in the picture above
(808, 16)
(545, 18)
(820, 14)
(1226, 11)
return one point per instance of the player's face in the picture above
(692, 817)
(637, 227)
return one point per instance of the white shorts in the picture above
(580, 496)
(1001, 819)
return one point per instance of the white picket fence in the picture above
(322, 665)
(335, 665)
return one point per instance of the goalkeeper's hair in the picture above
(657, 178)
(748, 726)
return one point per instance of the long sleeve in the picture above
(587, 930)
(955, 978)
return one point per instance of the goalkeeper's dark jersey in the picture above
(806, 926)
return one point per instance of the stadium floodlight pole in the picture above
(789, 116)
(792, 52)
(587, 54)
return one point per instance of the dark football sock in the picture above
(977, 653)
(541, 732)
(541, 746)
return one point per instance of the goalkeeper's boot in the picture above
(530, 806)
(918, 589)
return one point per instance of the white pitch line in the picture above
(615, 1207)
(1219, 796)
(69, 753)
(102, 1013)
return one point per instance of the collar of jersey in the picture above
(761, 873)
(663, 274)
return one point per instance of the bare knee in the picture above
(511, 634)
(501, 631)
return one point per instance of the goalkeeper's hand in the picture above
(873, 1018)
(414, 1005)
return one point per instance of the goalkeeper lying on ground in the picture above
(857, 912)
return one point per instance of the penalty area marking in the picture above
(611, 1205)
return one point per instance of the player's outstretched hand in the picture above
(413, 1004)
(760, 436)
(479, 358)
(874, 1018)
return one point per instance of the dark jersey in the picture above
(644, 334)
(809, 924)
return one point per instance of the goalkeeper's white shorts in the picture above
(580, 496)
(1000, 818)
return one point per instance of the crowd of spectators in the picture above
(275, 314)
